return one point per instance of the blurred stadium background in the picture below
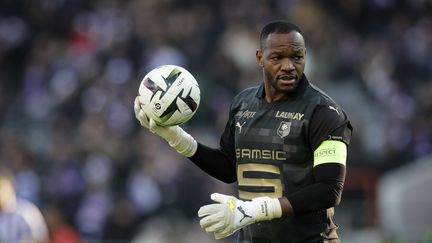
(70, 69)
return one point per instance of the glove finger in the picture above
(216, 227)
(153, 126)
(207, 223)
(209, 209)
(220, 198)
(143, 119)
(211, 225)
(219, 235)
(139, 113)
(225, 232)
(212, 219)
(137, 106)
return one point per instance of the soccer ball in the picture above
(169, 95)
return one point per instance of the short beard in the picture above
(273, 82)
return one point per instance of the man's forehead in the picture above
(292, 40)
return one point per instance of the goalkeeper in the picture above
(285, 144)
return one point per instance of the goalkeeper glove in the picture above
(230, 214)
(176, 137)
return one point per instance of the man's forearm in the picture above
(325, 193)
(215, 163)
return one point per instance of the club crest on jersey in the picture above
(284, 129)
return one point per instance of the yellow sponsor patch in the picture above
(231, 204)
(330, 151)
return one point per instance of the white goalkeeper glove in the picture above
(176, 137)
(230, 214)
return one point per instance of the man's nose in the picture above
(287, 64)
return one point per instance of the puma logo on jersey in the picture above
(332, 108)
(244, 213)
(239, 126)
(289, 115)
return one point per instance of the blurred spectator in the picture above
(20, 220)
(60, 230)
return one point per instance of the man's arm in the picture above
(323, 194)
(216, 163)
(329, 134)
(219, 163)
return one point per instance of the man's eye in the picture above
(298, 58)
(275, 58)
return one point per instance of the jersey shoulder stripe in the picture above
(245, 95)
(325, 99)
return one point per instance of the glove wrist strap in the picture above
(182, 142)
(267, 208)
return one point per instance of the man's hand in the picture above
(139, 113)
(175, 136)
(230, 214)
(167, 133)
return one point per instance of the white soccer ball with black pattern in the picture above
(170, 95)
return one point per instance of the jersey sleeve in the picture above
(219, 162)
(227, 138)
(330, 130)
(324, 193)
(329, 122)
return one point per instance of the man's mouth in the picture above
(287, 78)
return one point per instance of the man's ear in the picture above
(259, 56)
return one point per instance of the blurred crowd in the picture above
(70, 70)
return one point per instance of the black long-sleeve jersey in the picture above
(268, 149)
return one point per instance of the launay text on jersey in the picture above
(289, 115)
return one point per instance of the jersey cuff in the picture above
(330, 151)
